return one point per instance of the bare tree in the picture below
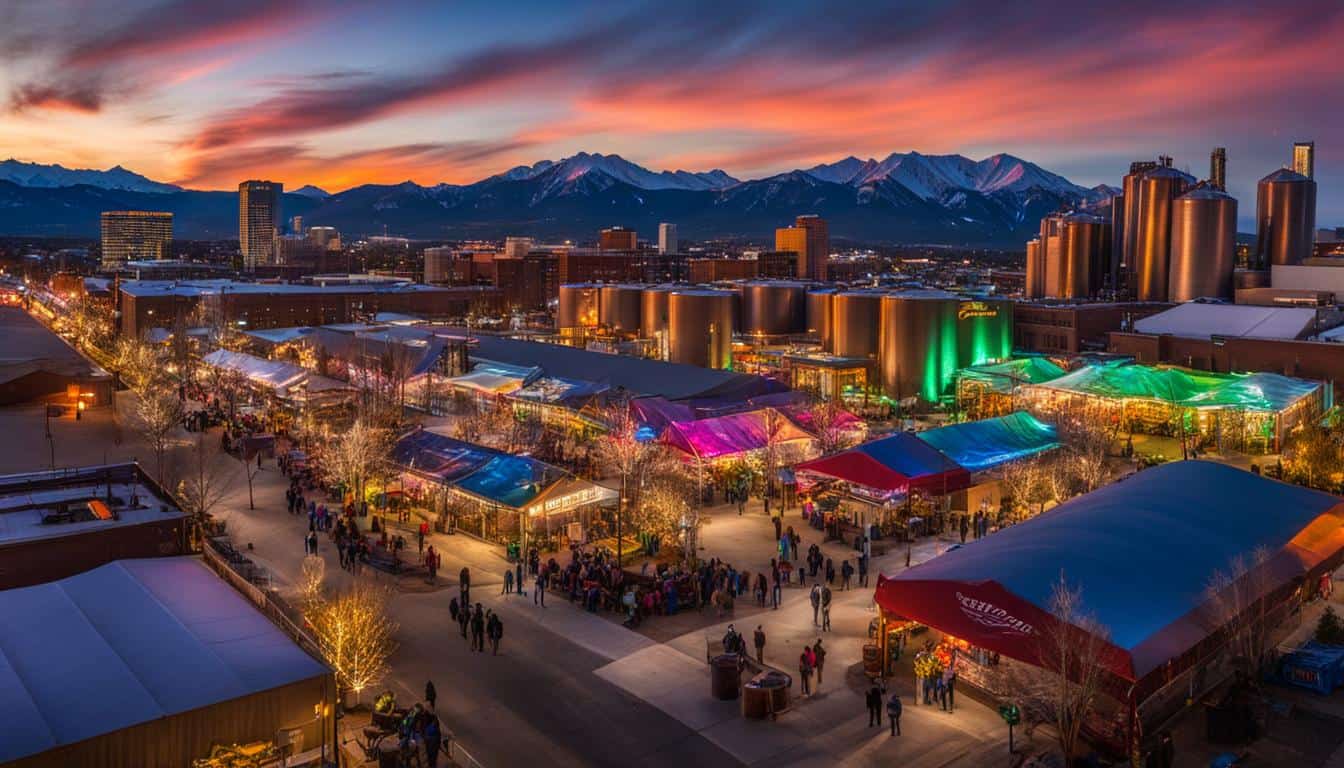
(1071, 651)
(312, 576)
(1235, 609)
(355, 634)
(202, 485)
(250, 469)
(160, 413)
(829, 426)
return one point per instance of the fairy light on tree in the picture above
(355, 635)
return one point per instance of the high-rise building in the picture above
(296, 225)
(1218, 169)
(1304, 158)
(438, 264)
(517, 247)
(810, 239)
(667, 238)
(326, 238)
(616, 239)
(258, 221)
(135, 235)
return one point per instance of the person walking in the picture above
(846, 572)
(940, 692)
(863, 570)
(433, 734)
(825, 609)
(518, 570)
(478, 629)
(805, 673)
(760, 644)
(779, 525)
(819, 653)
(508, 582)
(452, 609)
(950, 678)
(495, 630)
(874, 701)
(539, 595)
(894, 714)
(776, 589)
(430, 694)
(464, 582)
(815, 597)
(965, 528)
(464, 618)
(830, 571)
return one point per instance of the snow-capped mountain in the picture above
(308, 190)
(935, 177)
(49, 176)
(566, 171)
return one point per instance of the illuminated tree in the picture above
(355, 456)
(159, 414)
(622, 452)
(829, 426)
(312, 574)
(355, 634)
(1314, 456)
(140, 364)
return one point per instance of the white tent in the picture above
(102, 663)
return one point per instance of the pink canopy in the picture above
(732, 434)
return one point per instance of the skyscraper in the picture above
(1218, 169)
(133, 235)
(667, 238)
(1304, 158)
(616, 239)
(258, 221)
(296, 225)
(811, 240)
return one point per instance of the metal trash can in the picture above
(725, 674)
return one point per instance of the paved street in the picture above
(573, 688)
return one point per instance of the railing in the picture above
(275, 609)
(458, 755)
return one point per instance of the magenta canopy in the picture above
(731, 434)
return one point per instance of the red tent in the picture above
(896, 464)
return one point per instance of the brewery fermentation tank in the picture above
(1203, 245)
(700, 328)
(619, 308)
(578, 306)
(854, 326)
(773, 308)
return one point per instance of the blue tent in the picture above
(981, 445)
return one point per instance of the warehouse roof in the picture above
(214, 287)
(1200, 321)
(31, 347)
(127, 643)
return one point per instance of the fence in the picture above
(218, 557)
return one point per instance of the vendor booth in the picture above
(486, 493)
(1143, 552)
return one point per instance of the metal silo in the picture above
(618, 308)
(653, 309)
(1157, 190)
(1203, 245)
(700, 325)
(1082, 253)
(1285, 215)
(912, 354)
(1112, 271)
(773, 308)
(578, 306)
(1052, 255)
(1034, 285)
(854, 329)
(820, 316)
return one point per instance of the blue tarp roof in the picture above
(439, 456)
(981, 445)
(1143, 550)
(513, 481)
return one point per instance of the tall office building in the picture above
(1218, 169)
(517, 247)
(1304, 158)
(296, 225)
(439, 264)
(326, 238)
(667, 238)
(811, 240)
(135, 235)
(616, 239)
(258, 221)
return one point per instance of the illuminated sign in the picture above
(991, 616)
(970, 309)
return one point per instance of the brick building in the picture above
(1073, 328)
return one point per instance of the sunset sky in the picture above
(337, 93)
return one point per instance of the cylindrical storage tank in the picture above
(773, 308)
(1203, 245)
(1034, 285)
(1082, 249)
(700, 325)
(854, 324)
(984, 333)
(1130, 236)
(1250, 278)
(619, 308)
(1112, 271)
(653, 310)
(1157, 190)
(820, 315)
(913, 355)
(1285, 216)
(1052, 256)
(578, 306)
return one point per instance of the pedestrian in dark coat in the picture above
(760, 644)
(452, 608)
(874, 701)
(430, 694)
(894, 714)
(478, 629)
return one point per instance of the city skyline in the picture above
(205, 95)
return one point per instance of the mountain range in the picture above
(904, 198)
